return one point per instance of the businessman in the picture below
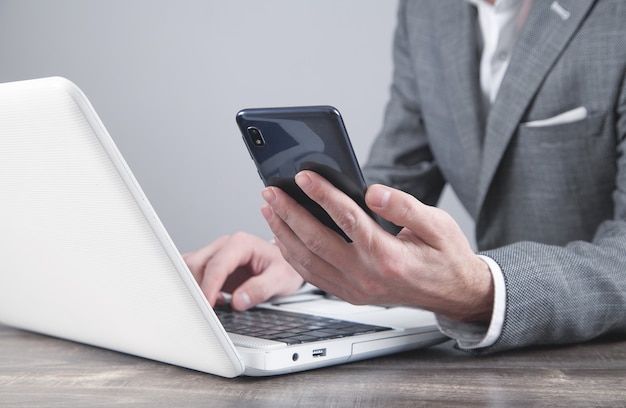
(520, 106)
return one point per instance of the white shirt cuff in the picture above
(476, 335)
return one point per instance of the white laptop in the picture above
(84, 257)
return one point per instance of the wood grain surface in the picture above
(40, 371)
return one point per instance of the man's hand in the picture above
(429, 264)
(250, 268)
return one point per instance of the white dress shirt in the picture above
(500, 25)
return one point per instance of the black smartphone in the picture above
(284, 141)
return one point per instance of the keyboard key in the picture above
(288, 327)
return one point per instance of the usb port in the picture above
(319, 352)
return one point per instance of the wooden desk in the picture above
(38, 371)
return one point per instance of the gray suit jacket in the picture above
(549, 202)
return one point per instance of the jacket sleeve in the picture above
(400, 156)
(570, 293)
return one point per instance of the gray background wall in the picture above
(167, 78)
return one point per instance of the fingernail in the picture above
(267, 212)
(245, 298)
(379, 196)
(243, 301)
(268, 195)
(304, 181)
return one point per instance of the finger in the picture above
(317, 253)
(196, 260)
(431, 224)
(300, 252)
(215, 263)
(319, 273)
(343, 210)
(224, 268)
(293, 224)
(262, 287)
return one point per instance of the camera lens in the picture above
(256, 136)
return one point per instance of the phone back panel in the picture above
(284, 141)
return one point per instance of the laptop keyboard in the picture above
(288, 327)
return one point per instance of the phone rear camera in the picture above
(256, 136)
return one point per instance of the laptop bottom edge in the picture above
(313, 355)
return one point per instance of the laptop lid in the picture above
(83, 255)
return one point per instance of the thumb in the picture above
(249, 294)
(429, 223)
(260, 288)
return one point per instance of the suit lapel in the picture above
(459, 35)
(544, 36)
